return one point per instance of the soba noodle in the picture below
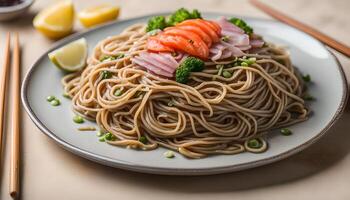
(209, 115)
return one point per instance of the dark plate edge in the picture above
(154, 170)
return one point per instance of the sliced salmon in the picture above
(179, 43)
(192, 37)
(202, 25)
(154, 44)
(214, 26)
(205, 37)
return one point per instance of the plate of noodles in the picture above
(186, 93)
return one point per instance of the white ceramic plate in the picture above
(310, 56)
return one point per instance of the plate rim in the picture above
(174, 171)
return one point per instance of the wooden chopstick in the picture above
(4, 72)
(15, 120)
(342, 48)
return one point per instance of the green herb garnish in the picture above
(160, 22)
(100, 133)
(78, 119)
(226, 74)
(182, 14)
(190, 64)
(286, 131)
(254, 144)
(244, 64)
(105, 136)
(143, 139)
(50, 98)
(156, 22)
(242, 24)
(169, 154)
(109, 137)
(118, 92)
(110, 58)
(106, 74)
(66, 95)
(55, 102)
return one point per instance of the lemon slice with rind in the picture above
(71, 57)
(98, 15)
(57, 20)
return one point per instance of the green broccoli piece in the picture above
(182, 14)
(182, 74)
(241, 24)
(196, 14)
(190, 64)
(156, 22)
(194, 64)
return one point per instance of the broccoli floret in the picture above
(181, 15)
(194, 64)
(156, 22)
(242, 24)
(190, 64)
(182, 74)
(159, 22)
(196, 14)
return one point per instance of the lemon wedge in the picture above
(71, 57)
(98, 14)
(57, 20)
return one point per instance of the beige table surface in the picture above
(320, 172)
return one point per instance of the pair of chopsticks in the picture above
(340, 47)
(15, 117)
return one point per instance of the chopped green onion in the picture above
(225, 38)
(100, 133)
(119, 56)
(286, 131)
(169, 154)
(307, 78)
(109, 137)
(110, 58)
(254, 144)
(106, 74)
(244, 64)
(55, 102)
(101, 139)
(251, 60)
(118, 92)
(241, 24)
(156, 23)
(227, 74)
(50, 98)
(78, 119)
(143, 139)
(220, 69)
(66, 95)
